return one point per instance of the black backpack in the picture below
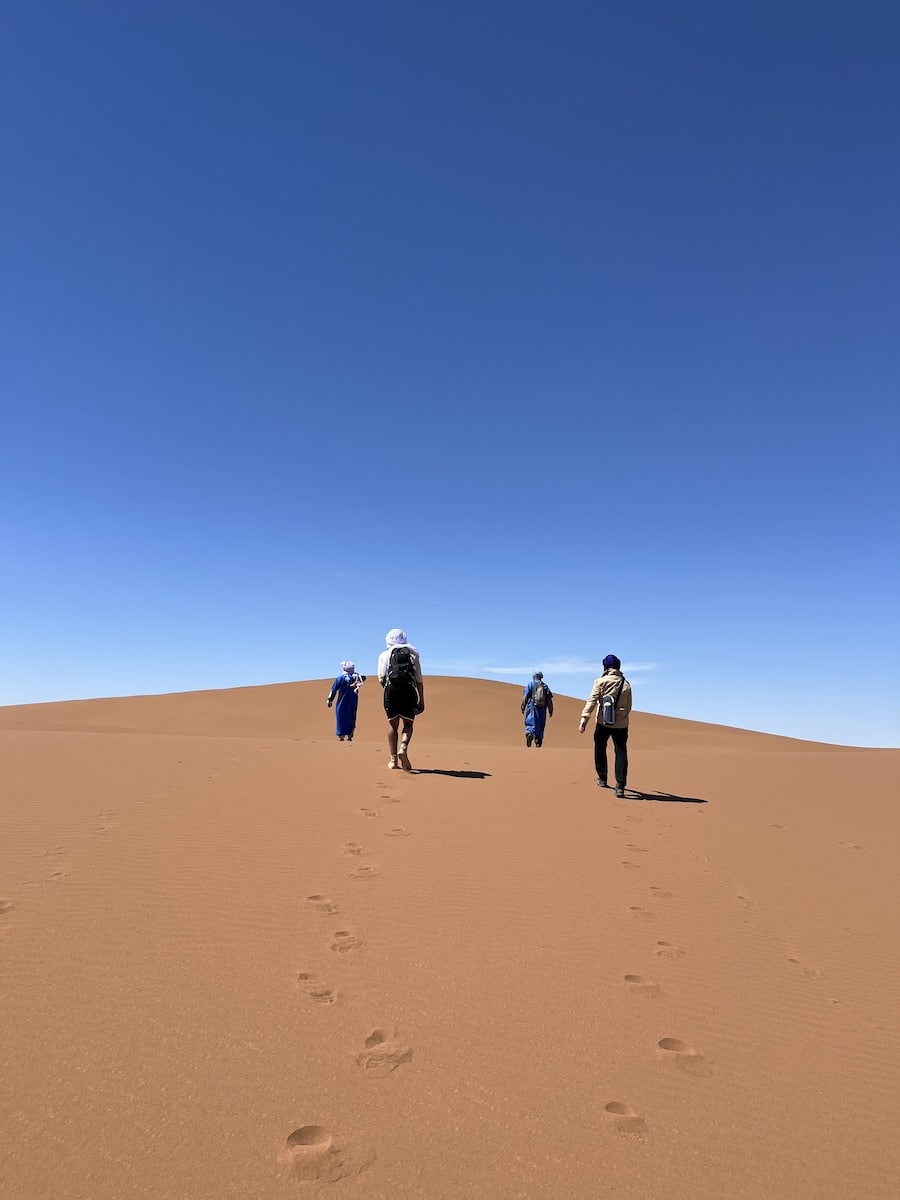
(400, 666)
(539, 694)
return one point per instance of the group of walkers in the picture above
(403, 694)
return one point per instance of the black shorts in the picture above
(400, 700)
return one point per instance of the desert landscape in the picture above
(241, 960)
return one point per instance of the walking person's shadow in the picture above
(452, 774)
(662, 797)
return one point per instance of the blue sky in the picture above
(540, 330)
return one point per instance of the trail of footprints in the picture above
(618, 1114)
(675, 1051)
(312, 1153)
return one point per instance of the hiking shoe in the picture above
(620, 792)
(403, 760)
(537, 743)
(602, 783)
(529, 738)
(392, 763)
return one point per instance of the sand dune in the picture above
(241, 960)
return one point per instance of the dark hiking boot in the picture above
(602, 783)
(620, 792)
(537, 743)
(529, 738)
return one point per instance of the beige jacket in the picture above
(607, 685)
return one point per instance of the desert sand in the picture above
(241, 960)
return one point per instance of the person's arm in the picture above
(549, 703)
(592, 702)
(331, 693)
(526, 696)
(626, 698)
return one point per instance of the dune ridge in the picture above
(240, 959)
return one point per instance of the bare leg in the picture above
(392, 741)
(405, 737)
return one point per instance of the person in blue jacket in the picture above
(537, 705)
(344, 695)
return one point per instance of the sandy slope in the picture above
(244, 961)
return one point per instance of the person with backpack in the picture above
(611, 696)
(346, 689)
(537, 706)
(400, 674)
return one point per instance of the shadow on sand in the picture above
(453, 774)
(662, 797)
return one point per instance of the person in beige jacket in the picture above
(612, 721)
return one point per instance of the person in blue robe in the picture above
(537, 706)
(344, 695)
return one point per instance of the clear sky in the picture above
(541, 330)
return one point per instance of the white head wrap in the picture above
(349, 667)
(396, 637)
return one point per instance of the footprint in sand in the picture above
(852, 845)
(661, 894)
(352, 848)
(382, 1054)
(642, 986)
(317, 992)
(53, 877)
(772, 825)
(626, 1120)
(643, 913)
(390, 799)
(368, 812)
(667, 950)
(634, 820)
(637, 849)
(5, 906)
(809, 972)
(398, 832)
(746, 902)
(365, 871)
(345, 941)
(681, 1053)
(323, 905)
(630, 866)
(313, 1155)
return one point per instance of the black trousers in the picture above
(602, 734)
